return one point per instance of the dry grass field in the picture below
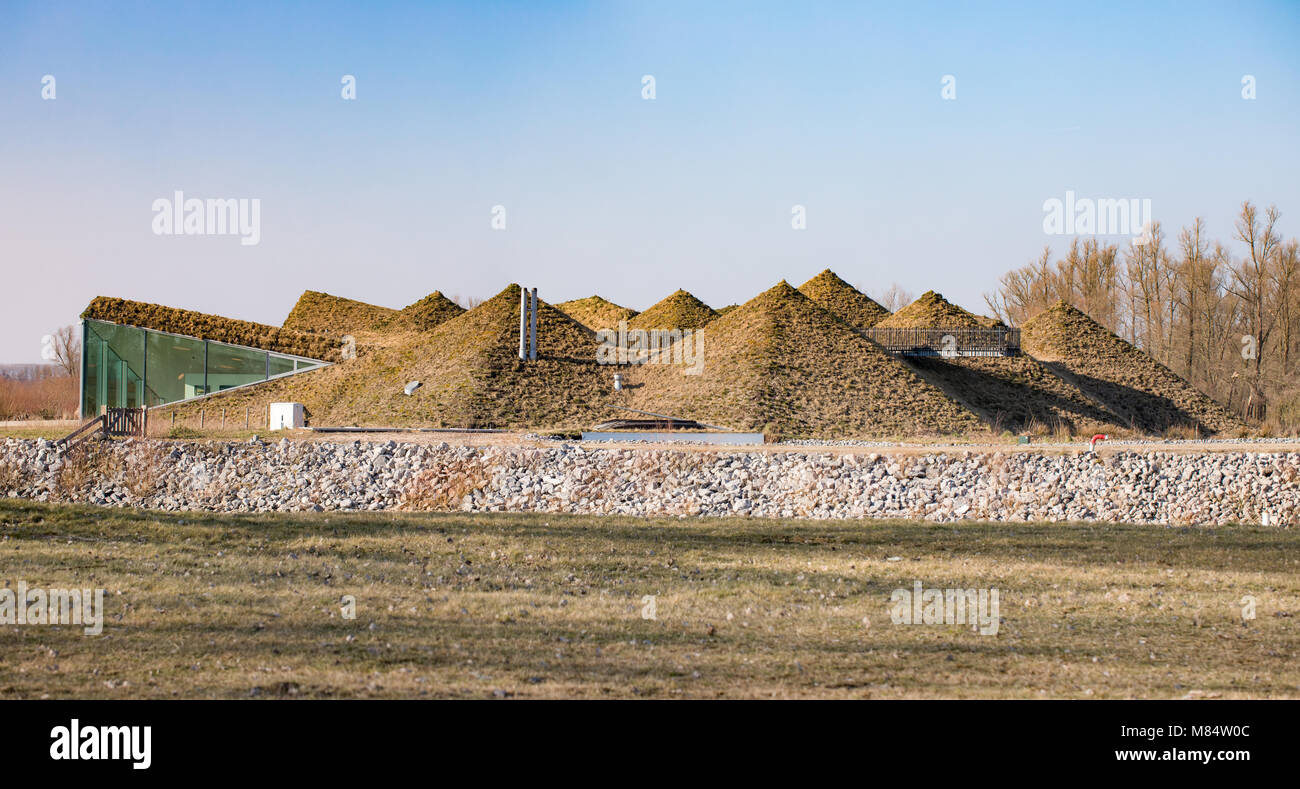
(47, 397)
(429, 312)
(286, 339)
(335, 316)
(531, 606)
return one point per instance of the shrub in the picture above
(1183, 431)
(444, 489)
(11, 477)
(80, 466)
(141, 469)
(47, 396)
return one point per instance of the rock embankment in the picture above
(1133, 487)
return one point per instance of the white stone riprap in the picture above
(1175, 488)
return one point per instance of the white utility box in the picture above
(286, 415)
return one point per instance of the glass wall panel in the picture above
(281, 365)
(92, 371)
(175, 368)
(229, 366)
(120, 365)
(127, 367)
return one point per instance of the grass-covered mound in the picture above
(596, 313)
(681, 310)
(933, 311)
(842, 299)
(326, 314)
(1140, 391)
(430, 311)
(470, 373)
(781, 362)
(212, 327)
(1018, 394)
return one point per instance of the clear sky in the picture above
(538, 107)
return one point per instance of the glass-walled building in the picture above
(130, 367)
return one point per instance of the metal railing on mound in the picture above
(963, 341)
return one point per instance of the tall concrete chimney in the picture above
(532, 327)
(523, 322)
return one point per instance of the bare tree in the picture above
(1285, 276)
(1149, 272)
(1221, 327)
(66, 349)
(1229, 324)
(1192, 278)
(1252, 275)
(1024, 291)
(895, 298)
(1087, 278)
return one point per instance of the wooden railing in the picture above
(964, 341)
(125, 421)
(79, 435)
(110, 422)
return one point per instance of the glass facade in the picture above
(127, 367)
(281, 366)
(177, 364)
(229, 366)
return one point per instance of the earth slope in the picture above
(430, 311)
(1018, 394)
(933, 311)
(326, 314)
(469, 371)
(779, 361)
(681, 310)
(596, 313)
(1140, 391)
(842, 299)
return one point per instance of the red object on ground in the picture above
(1092, 445)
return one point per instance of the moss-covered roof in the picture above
(321, 312)
(213, 327)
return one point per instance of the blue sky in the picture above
(537, 107)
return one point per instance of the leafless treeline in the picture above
(1229, 323)
(44, 391)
